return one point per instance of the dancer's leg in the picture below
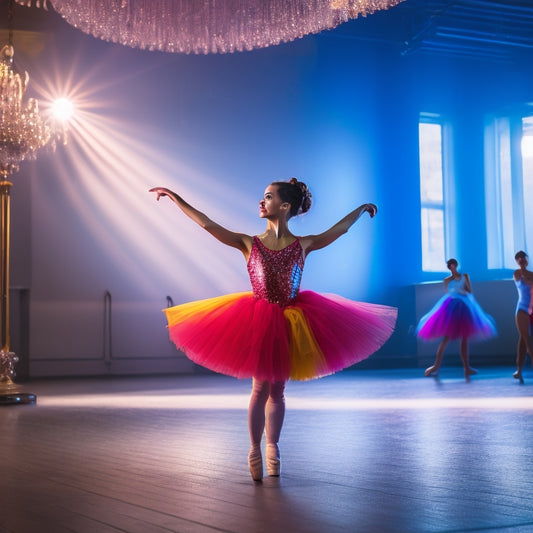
(433, 370)
(256, 410)
(524, 345)
(275, 413)
(256, 426)
(469, 371)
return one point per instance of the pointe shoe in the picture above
(255, 462)
(431, 372)
(518, 375)
(273, 460)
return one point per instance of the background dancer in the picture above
(523, 279)
(456, 315)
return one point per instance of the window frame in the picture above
(447, 205)
(504, 208)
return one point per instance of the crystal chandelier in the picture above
(208, 26)
(22, 132)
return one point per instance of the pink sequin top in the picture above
(276, 274)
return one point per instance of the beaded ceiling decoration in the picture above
(208, 26)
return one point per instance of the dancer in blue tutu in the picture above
(523, 279)
(457, 315)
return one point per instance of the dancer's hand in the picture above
(372, 209)
(161, 191)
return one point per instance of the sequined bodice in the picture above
(276, 274)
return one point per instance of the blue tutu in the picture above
(456, 316)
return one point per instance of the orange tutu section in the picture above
(307, 359)
(242, 336)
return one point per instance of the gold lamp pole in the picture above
(10, 393)
(7, 357)
(22, 133)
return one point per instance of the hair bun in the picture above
(295, 193)
(306, 195)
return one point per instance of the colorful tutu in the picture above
(243, 336)
(458, 316)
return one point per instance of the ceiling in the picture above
(495, 30)
(490, 30)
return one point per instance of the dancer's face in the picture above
(522, 261)
(452, 267)
(271, 205)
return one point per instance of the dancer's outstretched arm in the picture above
(316, 242)
(236, 240)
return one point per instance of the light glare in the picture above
(171, 400)
(527, 146)
(62, 109)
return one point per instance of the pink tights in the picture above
(267, 408)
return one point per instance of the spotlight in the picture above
(62, 110)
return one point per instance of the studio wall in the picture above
(340, 115)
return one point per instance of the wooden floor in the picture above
(362, 451)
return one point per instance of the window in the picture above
(509, 188)
(432, 141)
(526, 151)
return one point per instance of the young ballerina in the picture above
(276, 332)
(523, 279)
(456, 315)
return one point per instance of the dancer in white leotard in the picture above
(523, 279)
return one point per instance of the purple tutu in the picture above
(456, 316)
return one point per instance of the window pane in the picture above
(431, 196)
(432, 240)
(499, 210)
(506, 231)
(527, 175)
(430, 144)
(509, 189)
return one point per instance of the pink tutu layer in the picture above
(456, 317)
(242, 336)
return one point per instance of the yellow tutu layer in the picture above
(307, 359)
(199, 308)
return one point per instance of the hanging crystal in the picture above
(208, 26)
(22, 132)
